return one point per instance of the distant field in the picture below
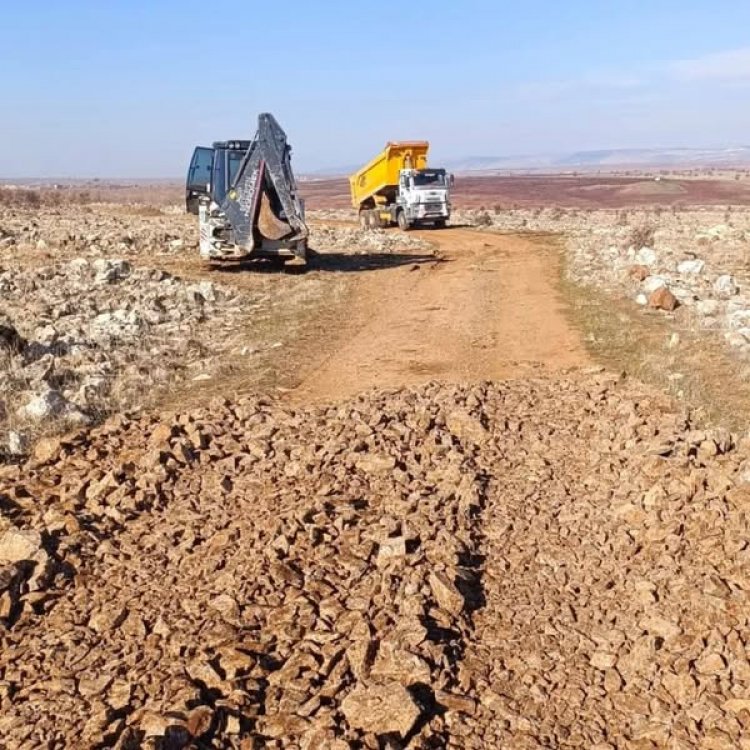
(587, 192)
(520, 191)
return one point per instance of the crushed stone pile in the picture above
(362, 241)
(543, 563)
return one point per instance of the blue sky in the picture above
(127, 88)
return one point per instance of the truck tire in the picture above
(403, 222)
(364, 219)
(440, 224)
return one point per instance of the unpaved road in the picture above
(488, 309)
(538, 562)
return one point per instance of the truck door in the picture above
(198, 177)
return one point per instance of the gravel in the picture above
(540, 563)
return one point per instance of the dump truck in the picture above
(398, 188)
(246, 199)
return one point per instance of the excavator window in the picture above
(199, 174)
(226, 166)
(235, 159)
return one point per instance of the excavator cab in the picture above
(212, 171)
(227, 159)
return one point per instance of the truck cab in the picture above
(423, 197)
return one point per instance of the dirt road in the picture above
(487, 309)
(533, 562)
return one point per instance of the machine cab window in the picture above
(226, 165)
(199, 176)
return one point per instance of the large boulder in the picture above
(381, 709)
(652, 283)
(693, 266)
(51, 404)
(19, 544)
(646, 257)
(725, 286)
(111, 271)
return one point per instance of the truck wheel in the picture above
(440, 224)
(374, 219)
(364, 219)
(403, 222)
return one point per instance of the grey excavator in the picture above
(246, 198)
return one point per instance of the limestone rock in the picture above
(380, 709)
(17, 545)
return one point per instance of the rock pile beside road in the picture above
(549, 562)
(364, 241)
(692, 259)
(97, 230)
(81, 338)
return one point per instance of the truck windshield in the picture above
(430, 178)
(226, 166)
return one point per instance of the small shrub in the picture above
(642, 236)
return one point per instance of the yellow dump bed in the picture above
(376, 180)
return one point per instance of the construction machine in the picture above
(397, 187)
(246, 199)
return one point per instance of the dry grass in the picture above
(642, 236)
(696, 369)
(284, 338)
(154, 194)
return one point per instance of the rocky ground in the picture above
(83, 339)
(538, 563)
(555, 561)
(690, 261)
(91, 323)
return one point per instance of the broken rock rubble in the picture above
(548, 562)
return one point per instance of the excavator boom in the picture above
(264, 193)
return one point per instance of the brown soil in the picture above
(487, 308)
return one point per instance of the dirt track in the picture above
(487, 309)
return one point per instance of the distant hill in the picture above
(620, 158)
(608, 158)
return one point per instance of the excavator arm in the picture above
(262, 204)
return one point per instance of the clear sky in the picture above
(95, 88)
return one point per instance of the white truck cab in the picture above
(424, 197)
